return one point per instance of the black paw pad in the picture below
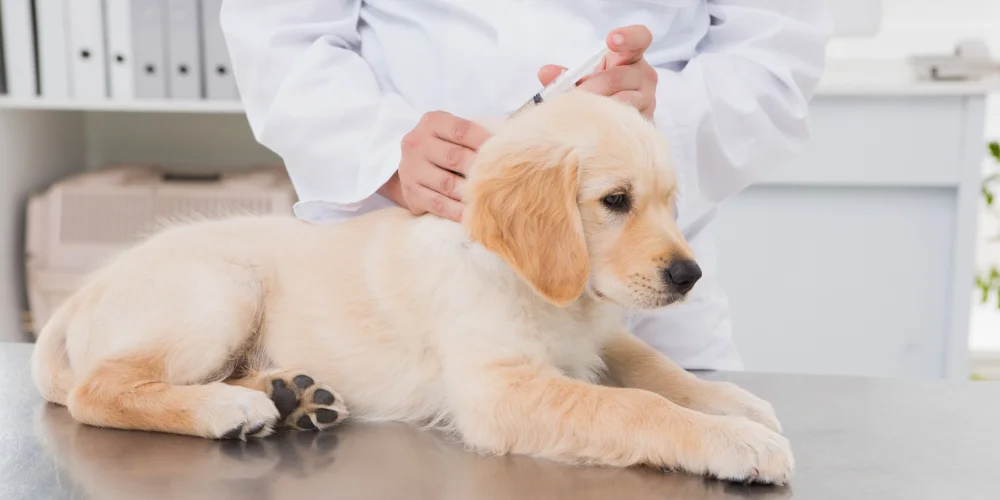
(305, 423)
(284, 398)
(323, 397)
(233, 433)
(255, 429)
(325, 416)
(303, 381)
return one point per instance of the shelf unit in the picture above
(133, 106)
(43, 140)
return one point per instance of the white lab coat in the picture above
(332, 86)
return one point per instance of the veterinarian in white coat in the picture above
(334, 86)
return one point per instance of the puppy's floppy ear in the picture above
(521, 205)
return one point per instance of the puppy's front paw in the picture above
(725, 398)
(740, 450)
(239, 413)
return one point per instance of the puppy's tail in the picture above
(50, 367)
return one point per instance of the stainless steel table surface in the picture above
(854, 439)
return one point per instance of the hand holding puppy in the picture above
(436, 155)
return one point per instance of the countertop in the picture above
(893, 77)
(854, 439)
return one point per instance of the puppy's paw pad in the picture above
(316, 418)
(284, 397)
(323, 397)
(234, 433)
(303, 382)
(305, 404)
(326, 415)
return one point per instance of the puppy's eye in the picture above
(618, 202)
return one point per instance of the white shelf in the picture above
(132, 106)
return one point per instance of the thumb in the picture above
(548, 73)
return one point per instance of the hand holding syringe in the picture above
(620, 71)
(566, 80)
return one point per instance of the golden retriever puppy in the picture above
(498, 329)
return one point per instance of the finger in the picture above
(613, 81)
(628, 44)
(442, 181)
(637, 99)
(437, 203)
(448, 155)
(457, 130)
(548, 73)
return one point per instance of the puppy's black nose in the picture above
(682, 275)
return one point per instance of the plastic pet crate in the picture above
(79, 223)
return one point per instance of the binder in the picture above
(121, 73)
(219, 80)
(149, 49)
(184, 49)
(88, 70)
(53, 48)
(3, 74)
(18, 32)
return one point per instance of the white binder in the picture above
(52, 23)
(88, 53)
(184, 49)
(121, 70)
(19, 48)
(149, 50)
(219, 80)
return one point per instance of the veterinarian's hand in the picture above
(437, 154)
(625, 75)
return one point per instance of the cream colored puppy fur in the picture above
(498, 329)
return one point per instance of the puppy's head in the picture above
(578, 193)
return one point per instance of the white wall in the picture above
(933, 27)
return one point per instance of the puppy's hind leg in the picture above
(129, 393)
(161, 341)
(302, 403)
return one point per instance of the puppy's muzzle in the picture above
(681, 275)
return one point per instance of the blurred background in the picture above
(873, 253)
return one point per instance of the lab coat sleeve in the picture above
(739, 107)
(311, 98)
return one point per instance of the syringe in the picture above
(565, 81)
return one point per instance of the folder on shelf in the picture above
(52, 25)
(121, 71)
(184, 49)
(88, 70)
(18, 33)
(3, 75)
(149, 49)
(219, 80)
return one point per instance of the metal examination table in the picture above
(854, 439)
